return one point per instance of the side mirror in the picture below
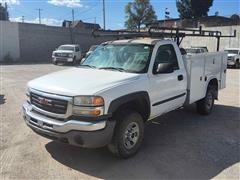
(163, 68)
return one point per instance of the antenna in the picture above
(23, 19)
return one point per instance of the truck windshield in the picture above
(133, 58)
(68, 48)
(232, 51)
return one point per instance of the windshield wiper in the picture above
(86, 65)
(113, 68)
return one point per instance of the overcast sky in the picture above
(55, 11)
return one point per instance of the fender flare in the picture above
(208, 81)
(140, 96)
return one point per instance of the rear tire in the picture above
(55, 62)
(128, 134)
(205, 105)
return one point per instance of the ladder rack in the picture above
(178, 34)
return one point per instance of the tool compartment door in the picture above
(196, 71)
(223, 71)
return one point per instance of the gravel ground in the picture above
(178, 145)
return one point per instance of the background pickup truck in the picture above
(68, 53)
(233, 57)
(119, 87)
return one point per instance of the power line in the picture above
(39, 14)
(87, 10)
(23, 12)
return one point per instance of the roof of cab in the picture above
(73, 45)
(149, 41)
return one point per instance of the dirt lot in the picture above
(178, 145)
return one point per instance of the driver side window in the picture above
(166, 54)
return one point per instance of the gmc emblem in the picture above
(44, 101)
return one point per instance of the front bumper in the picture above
(230, 63)
(75, 132)
(62, 59)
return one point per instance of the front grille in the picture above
(230, 58)
(49, 104)
(61, 54)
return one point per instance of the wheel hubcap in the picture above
(209, 100)
(131, 135)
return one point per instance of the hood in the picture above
(63, 51)
(232, 55)
(80, 81)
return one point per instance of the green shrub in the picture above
(8, 58)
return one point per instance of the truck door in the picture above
(168, 90)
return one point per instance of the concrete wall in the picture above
(35, 43)
(211, 43)
(9, 40)
(38, 41)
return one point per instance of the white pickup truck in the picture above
(120, 86)
(233, 57)
(68, 53)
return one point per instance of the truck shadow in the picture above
(178, 145)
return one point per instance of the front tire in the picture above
(74, 61)
(205, 105)
(237, 65)
(128, 134)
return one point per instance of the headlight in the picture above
(88, 105)
(88, 111)
(70, 55)
(87, 101)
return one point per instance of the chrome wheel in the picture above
(131, 135)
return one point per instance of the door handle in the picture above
(180, 77)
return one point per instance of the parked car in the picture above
(68, 53)
(196, 50)
(122, 85)
(233, 57)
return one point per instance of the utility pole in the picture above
(104, 15)
(167, 16)
(6, 11)
(73, 16)
(39, 15)
(22, 19)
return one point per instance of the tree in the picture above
(138, 13)
(4, 13)
(193, 8)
